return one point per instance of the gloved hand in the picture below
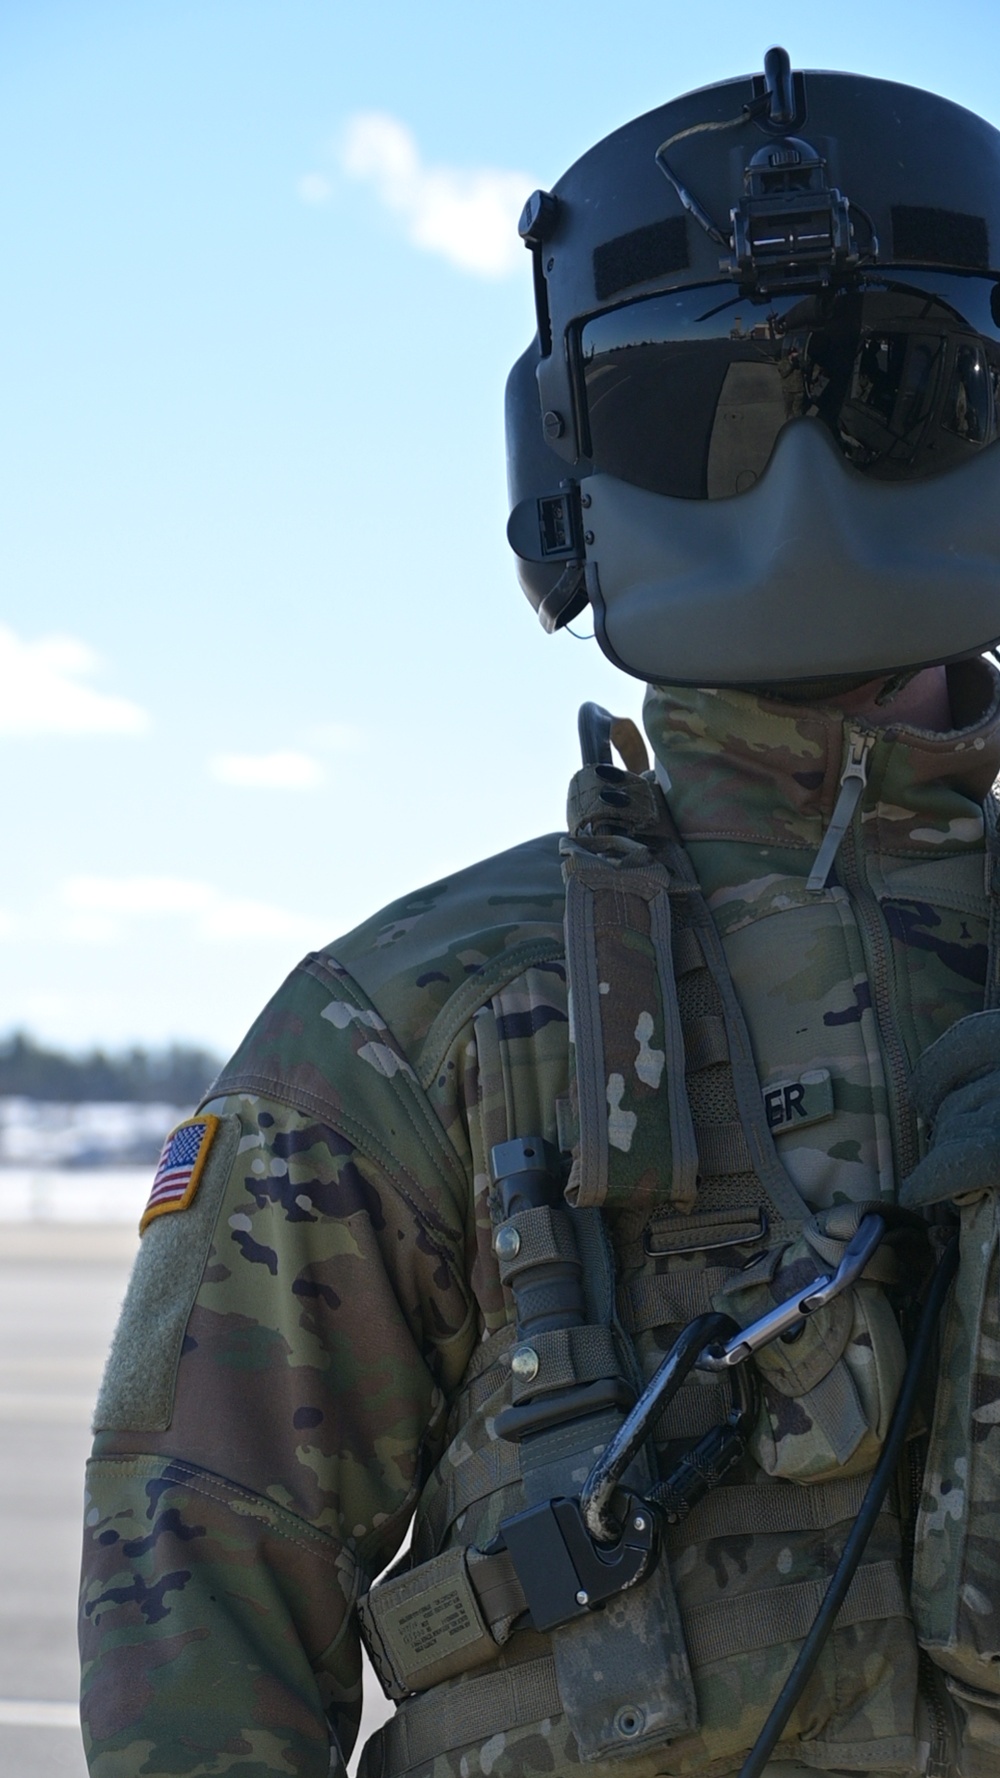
(956, 1090)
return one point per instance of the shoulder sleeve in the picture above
(277, 1384)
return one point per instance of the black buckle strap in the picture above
(564, 1573)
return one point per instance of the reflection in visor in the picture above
(686, 395)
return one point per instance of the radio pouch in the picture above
(828, 1394)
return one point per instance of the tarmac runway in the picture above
(60, 1288)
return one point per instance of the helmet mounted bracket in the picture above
(790, 226)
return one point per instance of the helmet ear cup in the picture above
(533, 470)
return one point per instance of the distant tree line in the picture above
(175, 1076)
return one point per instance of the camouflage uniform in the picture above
(322, 1341)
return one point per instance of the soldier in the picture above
(579, 1204)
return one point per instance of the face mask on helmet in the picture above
(757, 429)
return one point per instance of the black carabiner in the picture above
(704, 1466)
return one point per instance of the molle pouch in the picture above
(623, 1673)
(956, 1575)
(637, 1140)
(827, 1391)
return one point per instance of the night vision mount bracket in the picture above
(790, 226)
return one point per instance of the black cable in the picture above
(863, 1526)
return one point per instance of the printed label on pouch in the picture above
(791, 1104)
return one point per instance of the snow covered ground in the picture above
(74, 1194)
(41, 1133)
(87, 1162)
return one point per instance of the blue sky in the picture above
(264, 664)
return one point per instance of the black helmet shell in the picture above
(920, 176)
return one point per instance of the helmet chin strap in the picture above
(895, 684)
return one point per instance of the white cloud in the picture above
(41, 693)
(468, 215)
(97, 906)
(267, 771)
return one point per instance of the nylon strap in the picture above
(705, 1040)
(688, 954)
(738, 1164)
(568, 1355)
(495, 1466)
(832, 1404)
(786, 1613)
(702, 1233)
(494, 1703)
(471, 1712)
(670, 1299)
(543, 1235)
(750, 1509)
(723, 1148)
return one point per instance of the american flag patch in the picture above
(180, 1167)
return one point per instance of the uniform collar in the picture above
(743, 766)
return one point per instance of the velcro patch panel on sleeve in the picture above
(180, 1167)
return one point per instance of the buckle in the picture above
(563, 1571)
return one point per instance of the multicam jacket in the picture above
(321, 1342)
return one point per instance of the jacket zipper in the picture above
(944, 1742)
(853, 779)
(877, 948)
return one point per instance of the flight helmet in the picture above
(757, 430)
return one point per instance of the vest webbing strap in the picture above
(723, 1148)
(688, 954)
(480, 1706)
(693, 1412)
(670, 1299)
(786, 1613)
(497, 1465)
(451, 1614)
(706, 1041)
(568, 1356)
(470, 1712)
(749, 1509)
(733, 1511)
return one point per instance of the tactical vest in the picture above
(676, 1204)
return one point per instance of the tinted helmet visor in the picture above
(685, 393)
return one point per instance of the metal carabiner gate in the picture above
(713, 1342)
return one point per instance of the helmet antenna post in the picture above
(780, 88)
(775, 108)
